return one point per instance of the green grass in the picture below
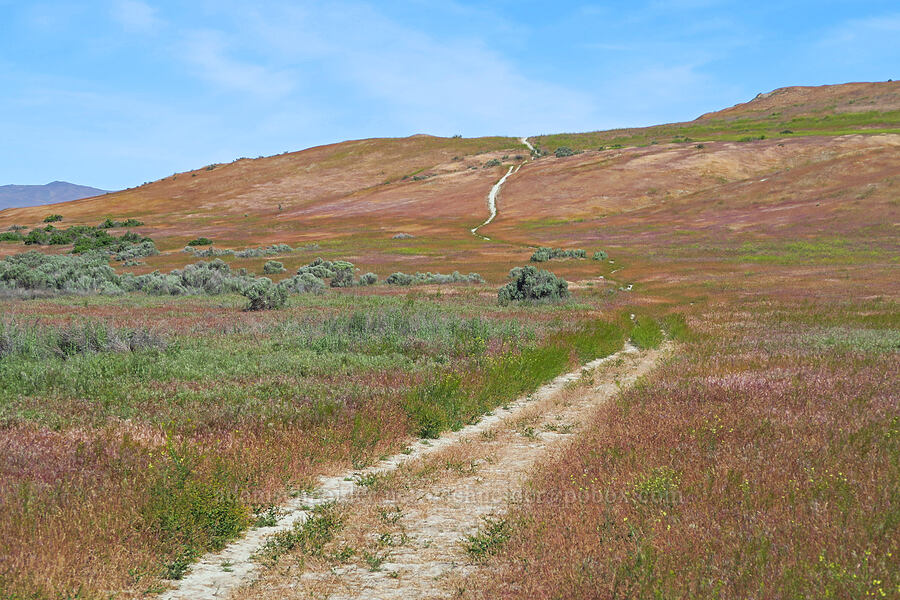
(449, 400)
(489, 540)
(869, 123)
(646, 333)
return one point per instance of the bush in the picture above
(399, 279)
(110, 224)
(492, 163)
(564, 151)
(36, 271)
(265, 295)
(10, 236)
(133, 251)
(429, 278)
(533, 285)
(402, 236)
(53, 218)
(342, 278)
(326, 269)
(272, 267)
(273, 250)
(368, 279)
(544, 254)
(200, 241)
(600, 255)
(37, 237)
(305, 283)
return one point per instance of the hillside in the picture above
(51, 193)
(706, 407)
(831, 110)
(349, 200)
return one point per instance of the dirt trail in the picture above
(495, 190)
(483, 468)
(218, 574)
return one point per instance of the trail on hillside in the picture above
(218, 574)
(445, 495)
(495, 191)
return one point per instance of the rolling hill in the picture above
(795, 158)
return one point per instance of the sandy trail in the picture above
(495, 191)
(216, 575)
(492, 203)
(492, 460)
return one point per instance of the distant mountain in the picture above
(36, 195)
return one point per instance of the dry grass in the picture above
(750, 465)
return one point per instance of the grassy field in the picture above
(139, 432)
(760, 461)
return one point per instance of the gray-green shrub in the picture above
(368, 279)
(272, 267)
(544, 254)
(531, 284)
(429, 278)
(265, 295)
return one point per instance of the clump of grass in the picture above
(308, 537)
(489, 540)
(200, 241)
(194, 510)
(40, 342)
(646, 333)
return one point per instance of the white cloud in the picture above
(207, 53)
(135, 16)
(413, 79)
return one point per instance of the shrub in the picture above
(305, 283)
(36, 271)
(492, 163)
(53, 218)
(272, 267)
(200, 241)
(130, 253)
(368, 279)
(544, 254)
(600, 255)
(37, 237)
(10, 236)
(532, 284)
(564, 151)
(273, 250)
(110, 224)
(399, 279)
(326, 269)
(429, 278)
(265, 295)
(342, 278)
(402, 236)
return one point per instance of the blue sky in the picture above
(115, 93)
